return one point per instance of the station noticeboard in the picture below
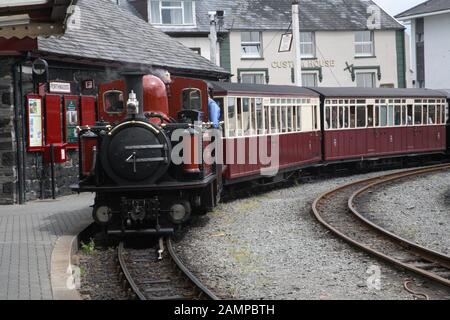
(35, 132)
(71, 106)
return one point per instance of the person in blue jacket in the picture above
(213, 109)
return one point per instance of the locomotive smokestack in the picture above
(134, 82)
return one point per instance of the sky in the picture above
(394, 7)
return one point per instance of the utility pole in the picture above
(296, 37)
(213, 35)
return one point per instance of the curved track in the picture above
(337, 212)
(150, 278)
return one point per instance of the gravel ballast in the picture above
(270, 247)
(416, 209)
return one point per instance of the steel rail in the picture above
(126, 273)
(200, 286)
(406, 245)
(202, 289)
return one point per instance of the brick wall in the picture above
(8, 174)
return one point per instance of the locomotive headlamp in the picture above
(180, 212)
(132, 104)
(102, 215)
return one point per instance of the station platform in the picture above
(28, 235)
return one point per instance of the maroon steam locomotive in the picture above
(269, 133)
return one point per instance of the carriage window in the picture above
(282, 119)
(410, 115)
(341, 118)
(444, 111)
(377, 116)
(232, 117)
(290, 127)
(267, 118)
(438, 114)
(383, 116)
(113, 101)
(370, 122)
(315, 122)
(431, 115)
(404, 115)
(299, 118)
(246, 118)
(417, 115)
(273, 119)
(424, 114)
(390, 116)
(346, 117)
(192, 99)
(334, 117)
(398, 115)
(327, 117)
(259, 123)
(353, 119)
(361, 117)
(252, 115)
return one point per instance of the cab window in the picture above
(192, 99)
(113, 101)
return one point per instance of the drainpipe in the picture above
(18, 126)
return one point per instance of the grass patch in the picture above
(88, 248)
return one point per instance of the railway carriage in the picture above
(283, 117)
(369, 123)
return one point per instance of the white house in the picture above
(343, 43)
(430, 38)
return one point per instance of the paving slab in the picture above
(28, 236)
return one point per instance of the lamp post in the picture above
(296, 39)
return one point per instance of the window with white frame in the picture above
(365, 79)
(172, 12)
(364, 44)
(247, 116)
(251, 44)
(253, 77)
(309, 79)
(307, 44)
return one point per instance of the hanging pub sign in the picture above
(286, 42)
(59, 87)
(34, 116)
(71, 121)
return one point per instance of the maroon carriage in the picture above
(281, 119)
(363, 123)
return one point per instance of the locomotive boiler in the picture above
(128, 164)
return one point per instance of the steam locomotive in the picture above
(128, 162)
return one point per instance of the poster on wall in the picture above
(35, 132)
(71, 121)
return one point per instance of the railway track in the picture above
(154, 275)
(337, 211)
